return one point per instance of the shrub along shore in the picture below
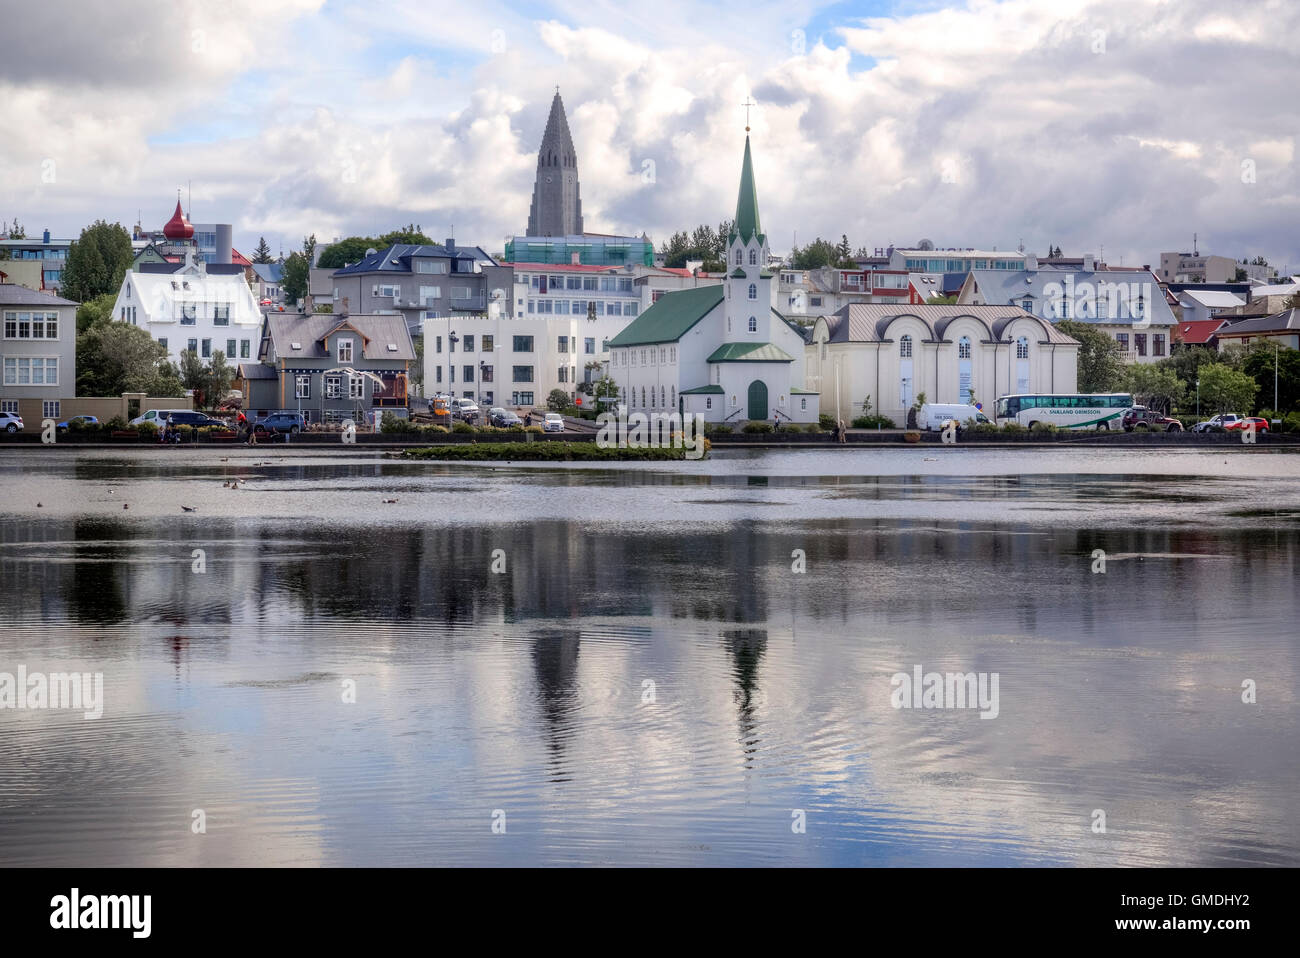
(540, 452)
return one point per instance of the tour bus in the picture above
(1065, 410)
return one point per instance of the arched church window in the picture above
(753, 291)
(905, 347)
(1022, 348)
(753, 257)
(753, 324)
(963, 348)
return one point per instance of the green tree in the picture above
(408, 235)
(17, 230)
(844, 253)
(97, 261)
(95, 311)
(193, 375)
(1154, 385)
(558, 400)
(815, 255)
(941, 300)
(605, 388)
(262, 254)
(113, 358)
(1099, 366)
(1224, 389)
(294, 280)
(345, 251)
(220, 377)
(1260, 366)
(1187, 360)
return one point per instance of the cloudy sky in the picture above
(1123, 125)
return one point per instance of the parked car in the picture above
(937, 415)
(291, 423)
(553, 422)
(1223, 420)
(466, 409)
(1261, 425)
(11, 422)
(72, 420)
(504, 417)
(1140, 417)
(157, 416)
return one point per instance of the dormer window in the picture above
(345, 350)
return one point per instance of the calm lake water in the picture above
(649, 681)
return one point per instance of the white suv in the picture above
(11, 422)
(1224, 420)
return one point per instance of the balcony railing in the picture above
(469, 302)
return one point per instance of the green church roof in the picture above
(702, 391)
(750, 353)
(671, 318)
(747, 225)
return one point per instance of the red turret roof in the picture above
(178, 227)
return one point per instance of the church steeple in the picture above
(747, 225)
(557, 207)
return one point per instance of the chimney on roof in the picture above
(450, 244)
(46, 237)
(344, 310)
(1087, 262)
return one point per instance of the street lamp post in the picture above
(1198, 398)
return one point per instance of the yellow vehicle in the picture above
(441, 409)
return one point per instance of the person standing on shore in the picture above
(843, 431)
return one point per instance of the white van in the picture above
(934, 415)
(156, 416)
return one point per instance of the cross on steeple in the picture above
(747, 104)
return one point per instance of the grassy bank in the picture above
(541, 452)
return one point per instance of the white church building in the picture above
(722, 351)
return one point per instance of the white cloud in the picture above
(1078, 123)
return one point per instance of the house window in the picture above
(1027, 306)
(467, 374)
(243, 348)
(437, 343)
(468, 344)
(564, 344)
(51, 409)
(221, 315)
(230, 348)
(708, 402)
(9, 405)
(963, 348)
(643, 397)
(753, 291)
(192, 345)
(521, 399)
(1122, 339)
(803, 404)
(206, 352)
(302, 387)
(815, 300)
(753, 324)
(905, 347)
(31, 325)
(25, 371)
(1157, 344)
(485, 373)
(162, 341)
(189, 316)
(345, 350)
(521, 374)
(1022, 348)
(564, 374)
(356, 387)
(1140, 341)
(663, 397)
(487, 344)
(589, 345)
(523, 344)
(333, 387)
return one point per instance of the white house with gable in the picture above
(199, 307)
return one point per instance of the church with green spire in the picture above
(722, 351)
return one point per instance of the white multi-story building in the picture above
(201, 308)
(558, 338)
